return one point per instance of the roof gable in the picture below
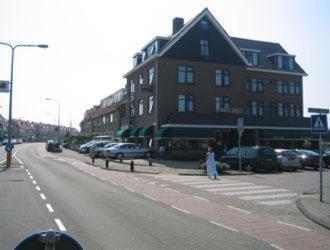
(185, 43)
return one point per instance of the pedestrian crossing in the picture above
(261, 194)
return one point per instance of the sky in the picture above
(91, 44)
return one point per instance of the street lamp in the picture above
(58, 116)
(13, 47)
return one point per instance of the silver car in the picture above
(287, 159)
(106, 148)
(128, 150)
(96, 148)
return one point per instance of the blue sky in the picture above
(92, 43)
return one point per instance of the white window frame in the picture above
(151, 75)
(151, 104)
(140, 107)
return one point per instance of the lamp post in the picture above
(54, 122)
(58, 116)
(13, 47)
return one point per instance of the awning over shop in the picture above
(147, 131)
(286, 134)
(188, 133)
(123, 133)
(134, 132)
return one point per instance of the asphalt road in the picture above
(43, 191)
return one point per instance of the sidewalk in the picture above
(317, 211)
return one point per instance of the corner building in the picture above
(187, 91)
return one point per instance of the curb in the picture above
(304, 211)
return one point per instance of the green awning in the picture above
(188, 133)
(163, 133)
(123, 133)
(286, 134)
(147, 131)
(134, 132)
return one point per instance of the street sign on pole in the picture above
(319, 124)
(4, 86)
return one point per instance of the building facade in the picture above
(187, 91)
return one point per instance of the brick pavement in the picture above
(277, 234)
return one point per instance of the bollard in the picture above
(150, 162)
(93, 158)
(120, 158)
(132, 166)
(107, 162)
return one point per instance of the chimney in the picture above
(177, 24)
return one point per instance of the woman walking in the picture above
(210, 163)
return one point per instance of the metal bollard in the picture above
(93, 158)
(121, 159)
(132, 166)
(150, 161)
(107, 162)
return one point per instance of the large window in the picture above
(151, 75)
(140, 107)
(204, 47)
(132, 86)
(141, 79)
(185, 74)
(222, 77)
(283, 87)
(221, 103)
(151, 104)
(280, 109)
(260, 108)
(186, 103)
(111, 118)
(254, 85)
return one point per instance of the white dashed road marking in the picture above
(43, 196)
(239, 209)
(293, 225)
(34, 182)
(60, 225)
(50, 209)
(200, 198)
(38, 188)
(31, 177)
(218, 224)
(184, 211)
(151, 198)
(271, 196)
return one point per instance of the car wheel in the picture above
(147, 155)
(249, 168)
(119, 156)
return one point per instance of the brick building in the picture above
(188, 89)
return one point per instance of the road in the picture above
(117, 210)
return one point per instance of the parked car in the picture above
(122, 150)
(326, 159)
(53, 146)
(253, 158)
(96, 147)
(287, 159)
(85, 147)
(308, 158)
(103, 151)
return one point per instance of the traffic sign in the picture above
(240, 126)
(318, 110)
(319, 124)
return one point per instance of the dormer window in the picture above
(282, 60)
(143, 55)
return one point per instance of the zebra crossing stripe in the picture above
(263, 197)
(224, 185)
(236, 188)
(206, 182)
(275, 190)
(278, 202)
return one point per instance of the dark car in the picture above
(326, 159)
(53, 146)
(308, 158)
(253, 158)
